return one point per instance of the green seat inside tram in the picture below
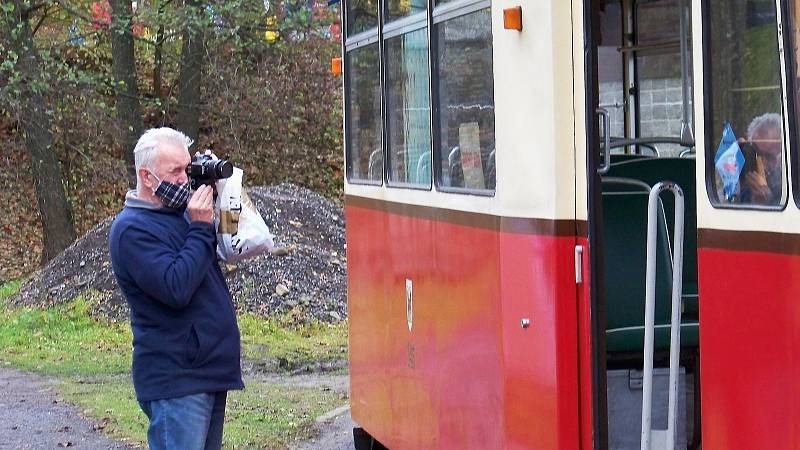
(682, 172)
(625, 197)
(625, 241)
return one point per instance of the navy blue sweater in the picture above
(185, 335)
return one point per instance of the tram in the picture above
(573, 224)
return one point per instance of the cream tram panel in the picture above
(786, 221)
(533, 122)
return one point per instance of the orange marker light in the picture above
(512, 18)
(336, 66)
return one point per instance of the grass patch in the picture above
(271, 415)
(92, 358)
(9, 289)
(111, 403)
(66, 340)
(264, 415)
(265, 340)
(63, 340)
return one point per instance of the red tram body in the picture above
(454, 379)
(750, 339)
(498, 231)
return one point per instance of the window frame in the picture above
(345, 24)
(791, 103)
(633, 76)
(440, 14)
(434, 15)
(708, 115)
(397, 29)
(351, 43)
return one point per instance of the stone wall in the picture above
(660, 109)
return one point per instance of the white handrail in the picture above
(665, 438)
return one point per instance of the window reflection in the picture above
(364, 155)
(397, 9)
(466, 102)
(746, 152)
(408, 108)
(362, 15)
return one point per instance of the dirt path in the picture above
(33, 417)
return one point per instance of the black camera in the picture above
(204, 170)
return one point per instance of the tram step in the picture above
(625, 407)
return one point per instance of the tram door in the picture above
(639, 133)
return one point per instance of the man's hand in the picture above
(760, 193)
(208, 152)
(201, 205)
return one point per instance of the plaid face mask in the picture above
(172, 195)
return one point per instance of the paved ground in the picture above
(336, 426)
(336, 430)
(32, 417)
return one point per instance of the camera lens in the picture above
(223, 168)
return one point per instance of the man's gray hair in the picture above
(764, 121)
(147, 147)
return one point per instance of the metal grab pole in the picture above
(649, 317)
(687, 136)
(604, 168)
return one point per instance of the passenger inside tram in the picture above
(749, 171)
(762, 176)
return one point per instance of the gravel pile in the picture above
(304, 275)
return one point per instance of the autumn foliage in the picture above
(268, 102)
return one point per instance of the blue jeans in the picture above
(193, 422)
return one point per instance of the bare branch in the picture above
(41, 20)
(36, 6)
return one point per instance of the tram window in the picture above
(397, 9)
(745, 150)
(658, 71)
(465, 97)
(364, 153)
(610, 73)
(408, 108)
(362, 15)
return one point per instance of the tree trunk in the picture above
(58, 231)
(158, 63)
(191, 67)
(159, 48)
(123, 64)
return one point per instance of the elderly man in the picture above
(762, 181)
(186, 349)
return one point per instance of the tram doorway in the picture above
(640, 139)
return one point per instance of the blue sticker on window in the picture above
(729, 162)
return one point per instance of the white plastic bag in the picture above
(241, 232)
